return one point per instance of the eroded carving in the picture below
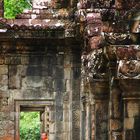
(85, 4)
(95, 64)
(129, 69)
(116, 38)
(128, 52)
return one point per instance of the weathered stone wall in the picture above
(40, 72)
(104, 93)
(131, 104)
(110, 69)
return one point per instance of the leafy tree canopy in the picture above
(14, 7)
(30, 126)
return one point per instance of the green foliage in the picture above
(29, 126)
(14, 7)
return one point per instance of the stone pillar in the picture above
(100, 91)
(52, 122)
(84, 103)
(82, 121)
(66, 120)
(1, 8)
(115, 101)
(131, 98)
(88, 121)
(94, 70)
(59, 87)
(128, 74)
(75, 95)
(92, 122)
(115, 112)
(66, 96)
(72, 94)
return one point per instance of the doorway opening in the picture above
(32, 119)
(30, 125)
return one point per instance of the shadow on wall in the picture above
(134, 134)
(137, 127)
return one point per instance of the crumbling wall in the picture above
(35, 72)
(110, 59)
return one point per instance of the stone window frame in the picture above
(36, 105)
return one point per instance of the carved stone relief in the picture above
(116, 38)
(129, 69)
(95, 64)
(41, 3)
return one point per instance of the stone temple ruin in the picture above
(78, 64)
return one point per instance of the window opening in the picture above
(28, 106)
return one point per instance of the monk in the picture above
(44, 136)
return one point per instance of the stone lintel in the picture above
(130, 85)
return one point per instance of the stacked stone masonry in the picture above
(110, 69)
(46, 75)
(80, 62)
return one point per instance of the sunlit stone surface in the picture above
(78, 64)
(41, 3)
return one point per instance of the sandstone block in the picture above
(3, 70)
(115, 124)
(3, 82)
(132, 109)
(129, 123)
(67, 73)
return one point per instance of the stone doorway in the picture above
(42, 106)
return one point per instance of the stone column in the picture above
(72, 94)
(100, 91)
(128, 74)
(59, 88)
(88, 121)
(1, 8)
(131, 98)
(52, 122)
(115, 101)
(92, 122)
(115, 112)
(82, 120)
(66, 95)
(75, 97)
